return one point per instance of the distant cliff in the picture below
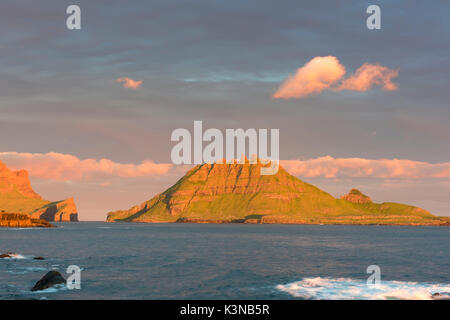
(17, 196)
(16, 181)
(64, 210)
(237, 193)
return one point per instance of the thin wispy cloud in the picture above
(327, 73)
(130, 83)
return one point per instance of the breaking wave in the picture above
(347, 288)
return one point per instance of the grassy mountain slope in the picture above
(222, 193)
(14, 201)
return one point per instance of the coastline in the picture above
(440, 222)
(22, 220)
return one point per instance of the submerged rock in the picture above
(39, 258)
(51, 279)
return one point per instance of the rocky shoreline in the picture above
(362, 221)
(22, 220)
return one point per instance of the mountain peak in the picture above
(356, 196)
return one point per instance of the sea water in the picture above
(227, 261)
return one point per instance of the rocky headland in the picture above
(18, 197)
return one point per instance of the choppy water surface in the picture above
(190, 261)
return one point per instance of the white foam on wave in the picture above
(347, 288)
(54, 289)
(25, 228)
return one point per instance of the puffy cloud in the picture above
(63, 167)
(129, 83)
(315, 76)
(368, 75)
(329, 167)
(324, 73)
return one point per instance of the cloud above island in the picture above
(315, 76)
(332, 168)
(129, 83)
(327, 73)
(67, 167)
(369, 75)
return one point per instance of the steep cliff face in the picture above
(21, 220)
(64, 210)
(17, 195)
(223, 193)
(11, 181)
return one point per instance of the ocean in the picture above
(227, 261)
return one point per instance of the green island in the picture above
(238, 193)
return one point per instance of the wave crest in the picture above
(347, 288)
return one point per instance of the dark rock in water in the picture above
(7, 255)
(49, 280)
(39, 258)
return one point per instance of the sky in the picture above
(89, 113)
